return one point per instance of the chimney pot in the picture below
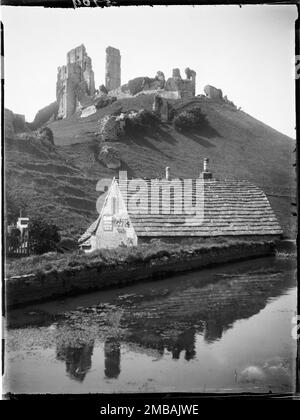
(168, 177)
(205, 164)
(206, 174)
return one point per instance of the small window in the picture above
(107, 223)
(114, 205)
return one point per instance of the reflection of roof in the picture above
(231, 207)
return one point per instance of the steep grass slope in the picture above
(62, 183)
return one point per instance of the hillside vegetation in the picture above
(60, 182)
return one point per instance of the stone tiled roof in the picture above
(231, 208)
(90, 231)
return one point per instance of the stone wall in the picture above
(13, 123)
(44, 115)
(173, 88)
(8, 123)
(186, 88)
(75, 82)
(213, 93)
(162, 108)
(112, 68)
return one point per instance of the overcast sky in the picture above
(248, 52)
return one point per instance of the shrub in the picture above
(140, 120)
(42, 236)
(189, 119)
(46, 134)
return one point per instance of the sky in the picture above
(246, 51)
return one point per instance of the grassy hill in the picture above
(60, 182)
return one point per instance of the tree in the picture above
(42, 236)
(14, 203)
(13, 239)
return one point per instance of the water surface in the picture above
(226, 329)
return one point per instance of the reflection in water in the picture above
(78, 360)
(184, 342)
(112, 355)
(171, 321)
(166, 316)
(213, 329)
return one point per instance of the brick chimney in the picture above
(206, 174)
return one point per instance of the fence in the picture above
(21, 251)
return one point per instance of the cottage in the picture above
(139, 210)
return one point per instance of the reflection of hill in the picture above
(171, 321)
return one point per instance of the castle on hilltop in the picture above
(75, 87)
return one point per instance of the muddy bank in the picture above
(40, 287)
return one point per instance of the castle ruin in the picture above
(112, 68)
(186, 88)
(75, 87)
(75, 82)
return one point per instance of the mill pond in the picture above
(226, 329)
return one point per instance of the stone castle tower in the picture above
(112, 68)
(75, 82)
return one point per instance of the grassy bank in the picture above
(146, 253)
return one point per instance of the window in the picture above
(114, 205)
(107, 223)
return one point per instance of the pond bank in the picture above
(25, 289)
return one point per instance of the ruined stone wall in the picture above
(75, 82)
(213, 93)
(13, 123)
(162, 108)
(186, 88)
(112, 68)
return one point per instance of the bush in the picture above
(189, 119)
(46, 134)
(42, 236)
(140, 120)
